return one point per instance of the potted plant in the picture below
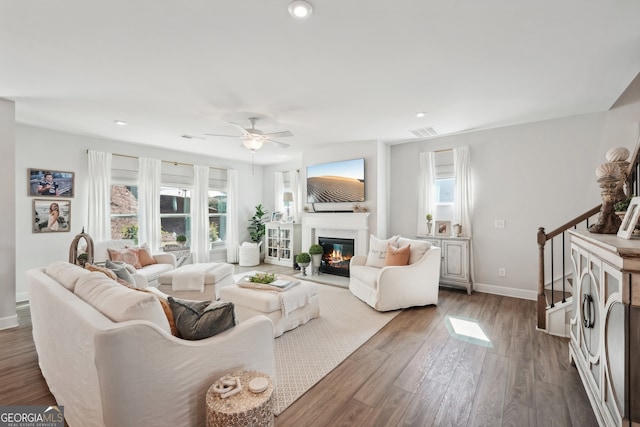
(316, 252)
(303, 259)
(429, 225)
(181, 239)
(256, 225)
(82, 259)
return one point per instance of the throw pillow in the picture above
(378, 250)
(120, 271)
(196, 320)
(109, 273)
(125, 255)
(397, 256)
(144, 256)
(418, 248)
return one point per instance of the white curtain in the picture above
(200, 214)
(278, 192)
(149, 202)
(425, 190)
(296, 205)
(463, 194)
(463, 205)
(99, 224)
(232, 216)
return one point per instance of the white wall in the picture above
(532, 175)
(8, 316)
(46, 149)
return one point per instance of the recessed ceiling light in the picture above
(120, 122)
(421, 114)
(300, 9)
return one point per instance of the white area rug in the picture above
(309, 352)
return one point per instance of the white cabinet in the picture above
(605, 327)
(282, 243)
(455, 252)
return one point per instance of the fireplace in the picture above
(336, 256)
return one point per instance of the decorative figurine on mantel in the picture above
(608, 177)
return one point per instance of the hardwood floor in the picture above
(416, 371)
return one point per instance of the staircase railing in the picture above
(559, 235)
(555, 235)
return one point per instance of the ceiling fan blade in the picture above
(278, 134)
(242, 129)
(215, 134)
(281, 144)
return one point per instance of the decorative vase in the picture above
(429, 226)
(316, 260)
(303, 267)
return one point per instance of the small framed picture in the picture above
(51, 215)
(50, 183)
(443, 228)
(276, 216)
(288, 219)
(630, 219)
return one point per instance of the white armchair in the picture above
(396, 287)
(249, 254)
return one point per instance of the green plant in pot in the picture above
(181, 239)
(303, 259)
(316, 252)
(429, 219)
(82, 258)
(256, 224)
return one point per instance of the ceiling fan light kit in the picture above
(300, 9)
(252, 145)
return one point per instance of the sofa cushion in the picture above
(120, 303)
(126, 255)
(120, 270)
(65, 273)
(196, 320)
(153, 271)
(418, 248)
(397, 256)
(378, 250)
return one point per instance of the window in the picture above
(217, 216)
(175, 214)
(444, 191)
(124, 212)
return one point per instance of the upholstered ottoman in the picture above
(199, 277)
(302, 300)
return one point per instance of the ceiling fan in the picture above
(253, 138)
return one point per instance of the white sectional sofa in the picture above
(130, 373)
(396, 287)
(145, 276)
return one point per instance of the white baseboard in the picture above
(22, 296)
(9, 322)
(506, 292)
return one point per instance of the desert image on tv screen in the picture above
(336, 182)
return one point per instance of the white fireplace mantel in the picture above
(346, 225)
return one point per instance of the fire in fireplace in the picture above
(336, 255)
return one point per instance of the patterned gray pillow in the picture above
(121, 271)
(196, 320)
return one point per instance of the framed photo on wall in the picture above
(51, 215)
(50, 183)
(443, 228)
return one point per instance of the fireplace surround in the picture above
(336, 256)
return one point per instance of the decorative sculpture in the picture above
(609, 178)
(618, 156)
(73, 249)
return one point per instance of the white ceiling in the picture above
(356, 70)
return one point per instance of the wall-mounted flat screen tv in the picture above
(336, 182)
